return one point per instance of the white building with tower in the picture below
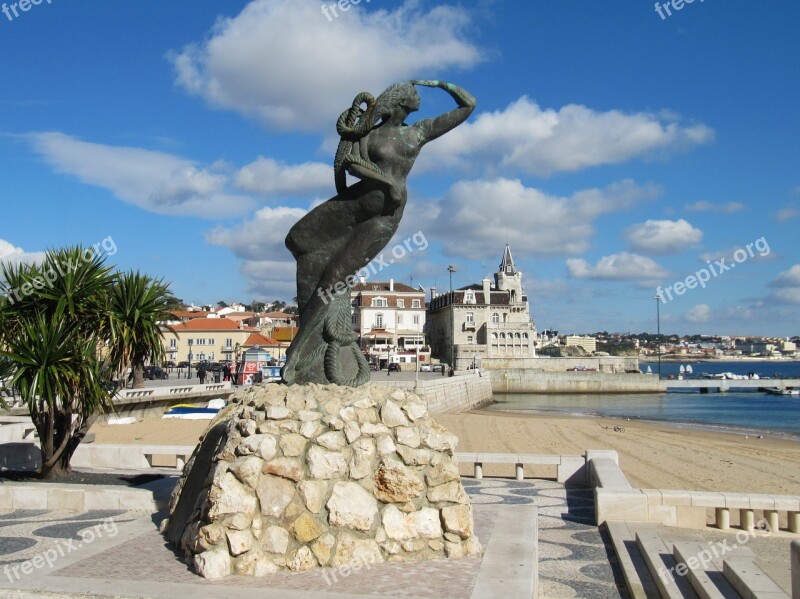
(483, 320)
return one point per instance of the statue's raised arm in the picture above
(430, 129)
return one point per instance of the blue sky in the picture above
(615, 150)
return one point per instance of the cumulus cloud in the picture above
(527, 138)
(287, 65)
(662, 236)
(789, 295)
(149, 179)
(620, 266)
(788, 278)
(267, 265)
(706, 206)
(473, 215)
(261, 237)
(270, 178)
(11, 254)
(698, 313)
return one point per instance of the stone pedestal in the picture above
(312, 475)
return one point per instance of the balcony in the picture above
(514, 326)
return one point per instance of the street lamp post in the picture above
(189, 371)
(388, 361)
(658, 333)
(451, 269)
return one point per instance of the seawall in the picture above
(450, 394)
(517, 380)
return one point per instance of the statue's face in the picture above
(411, 102)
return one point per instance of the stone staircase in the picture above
(663, 563)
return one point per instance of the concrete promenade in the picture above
(119, 553)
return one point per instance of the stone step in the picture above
(704, 570)
(749, 580)
(662, 565)
(634, 568)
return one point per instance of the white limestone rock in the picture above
(325, 465)
(351, 506)
(274, 494)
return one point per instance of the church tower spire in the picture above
(507, 263)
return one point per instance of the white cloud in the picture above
(662, 236)
(616, 267)
(698, 313)
(788, 278)
(270, 279)
(261, 238)
(267, 265)
(474, 216)
(527, 138)
(11, 254)
(271, 178)
(789, 295)
(149, 179)
(286, 64)
(788, 213)
(705, 206)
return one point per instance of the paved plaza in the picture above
(120, 553)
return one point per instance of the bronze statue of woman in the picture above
(341, 236)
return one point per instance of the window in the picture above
(378, 302)
(355, 318)
(415, 304)
(211, 341)
(379, 321)
(415, 318)
(228, 343)
(470, 318)
(495, 318)
(401, 303)
(494, 337)
(399, 319)
(173, 344)
(470, 339)
(469, 297)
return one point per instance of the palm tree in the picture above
(138, 304)
(56, 323)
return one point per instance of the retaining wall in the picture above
(458, 393)
(519, 380)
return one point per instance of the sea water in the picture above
(745, 412)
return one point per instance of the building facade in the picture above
(390, 320)
(483, 320)
(212, 339)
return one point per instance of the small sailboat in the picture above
(689, 369)
(681, 372)
(649, 370)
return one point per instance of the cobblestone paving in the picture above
(573, 557)
(575, 560)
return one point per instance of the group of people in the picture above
(227, 372)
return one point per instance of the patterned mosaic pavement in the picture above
(574, 560)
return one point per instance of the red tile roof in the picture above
(209, 324)
(259, 339)
(190, 314)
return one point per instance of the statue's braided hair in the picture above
(356, 122)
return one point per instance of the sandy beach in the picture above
(653, 455)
